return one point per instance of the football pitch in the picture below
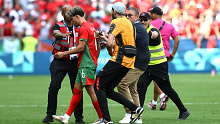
(23, 100)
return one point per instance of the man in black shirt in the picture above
(65, 35)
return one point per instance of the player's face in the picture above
(75, 21)
(130, 15)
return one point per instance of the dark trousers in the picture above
(58, 69)
(158, 73)
(107, 79)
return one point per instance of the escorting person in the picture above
(167, 30)
(64, 32)
(157, 69)
(128, 85)
(88, 50)
(123, 33)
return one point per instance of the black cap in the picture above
(156, 10)
(145, 15)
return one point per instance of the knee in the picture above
(109, 92)
(122, 86)
(54, 86)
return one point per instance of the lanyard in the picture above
(68, 31)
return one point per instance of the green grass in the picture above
(23, 100)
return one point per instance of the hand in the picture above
(59, 55)
(110, 53)
(171, 57)
(67, 34)
(154, 34)
(101, 35)
(103, 43)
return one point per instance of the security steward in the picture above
(157, 69)
(65, 39)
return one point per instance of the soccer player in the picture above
(122, 32)
(157, 69)
(88, 52)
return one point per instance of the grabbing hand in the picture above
(67, 34)
(59, 55)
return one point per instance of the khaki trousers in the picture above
(128, 86)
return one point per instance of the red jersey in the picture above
(7, 29)
(89, 57)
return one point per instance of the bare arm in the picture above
(176, 45)
(78, 49)
(58, 35)
(98, 48)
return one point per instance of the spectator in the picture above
(7, 29)
(29, 42)
(2, 17)
(11, 45)
(46, 23)
(176, 11)
(20, 27)
(16, 12)
(204, 31)
(192, 28)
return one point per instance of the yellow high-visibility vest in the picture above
(157, 52)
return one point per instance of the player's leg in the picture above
(77, 93)
(91, 92)
(88, 81)
(72, 73)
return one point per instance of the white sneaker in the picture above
(126, 119)
(61, 119)
(138, 121)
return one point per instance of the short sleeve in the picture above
(174, 32)
(56, 27)
(115, 28)
(83, 34)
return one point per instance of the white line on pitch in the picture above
(20, 106)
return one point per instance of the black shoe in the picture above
(183, 115)
(79, 122)
(48, 119)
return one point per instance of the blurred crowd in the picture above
(195, 19)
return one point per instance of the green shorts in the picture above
(86, 76)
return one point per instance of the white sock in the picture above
(67, 116)
(154, 102)
(161, 95)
